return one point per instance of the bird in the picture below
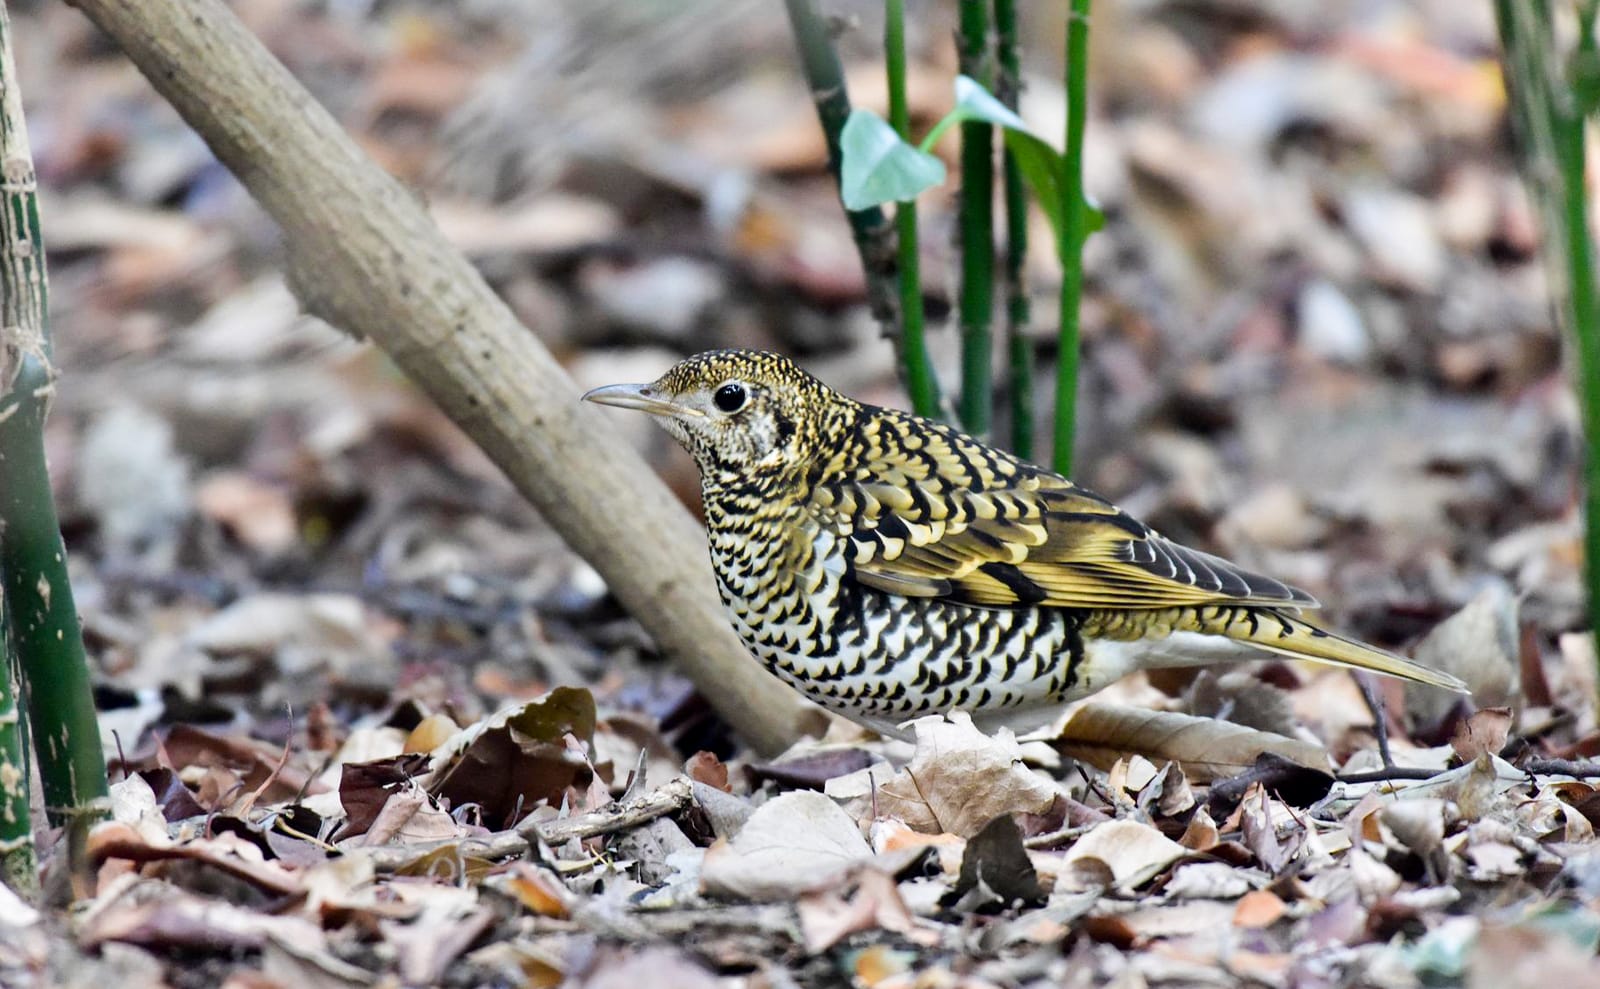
(891, 567)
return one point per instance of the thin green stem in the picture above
(1584, 316)
(44, 632)
(1548, 110)
(920, 381)
(1019, 370)
(1074, 232)
(976, 208)
(870, 228)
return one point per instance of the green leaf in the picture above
(980, 104)
(973, 102)
(1041, 169)
(1040, 164)
(878, 166)
(1096, 216)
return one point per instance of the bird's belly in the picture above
(884, 659)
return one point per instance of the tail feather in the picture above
(1278, 632)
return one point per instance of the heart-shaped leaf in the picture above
(878, 166)
(1042, 167)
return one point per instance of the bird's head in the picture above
(739, 413)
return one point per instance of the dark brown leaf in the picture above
(364, 787)
(995, 871)
(812, 770)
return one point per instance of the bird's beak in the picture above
(638, 397)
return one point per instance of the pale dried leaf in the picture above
(260, 515)
(1483, 733)
(303, 631)
(1481, 645)
(133, 803)
(1209, 881)
(1374, 880)
(796, 841)
(1135, 852)
(1259, 908)
(827, 918)
(1205, 748)
(961, 779)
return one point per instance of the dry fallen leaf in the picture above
(1258, 908)
(1418, 825)
(430, 733)
(1484, 733)
(796, 841)
(1207, 749)
(961, 779)
(301, 631)
(1135, 852)
(826, 918)
(517, 759)
(1482, 645)
(539, 890)
(259, 514)
(995, 871)
(705, 767)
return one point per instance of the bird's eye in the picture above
(730, 397)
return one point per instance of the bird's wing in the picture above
(929, 512)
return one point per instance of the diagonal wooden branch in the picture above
(366, 257)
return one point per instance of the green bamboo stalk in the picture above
(44, 632)
(870, 228)
(18, 865)
(976, 208)
(1549, 118)
(1019, 311)
(920, 381)
(1075, 231)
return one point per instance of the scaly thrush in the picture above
(889, 566)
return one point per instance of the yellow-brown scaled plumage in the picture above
(889, 566)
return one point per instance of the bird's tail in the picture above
(1287, 634)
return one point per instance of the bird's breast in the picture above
(878, 656)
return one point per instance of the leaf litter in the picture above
(371, 723)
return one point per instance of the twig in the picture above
(1533, 767)
(1388, 774)
(666, 799)
(870, 228)
(1055, 839)
(1562, 767)
(366, 257)
(1380, 716)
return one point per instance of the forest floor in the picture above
(371, 723)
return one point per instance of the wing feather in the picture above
(941, 515)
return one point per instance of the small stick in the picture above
(667, 799)
(1380, 715)
(1562, 767)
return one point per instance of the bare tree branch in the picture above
(369, 259)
